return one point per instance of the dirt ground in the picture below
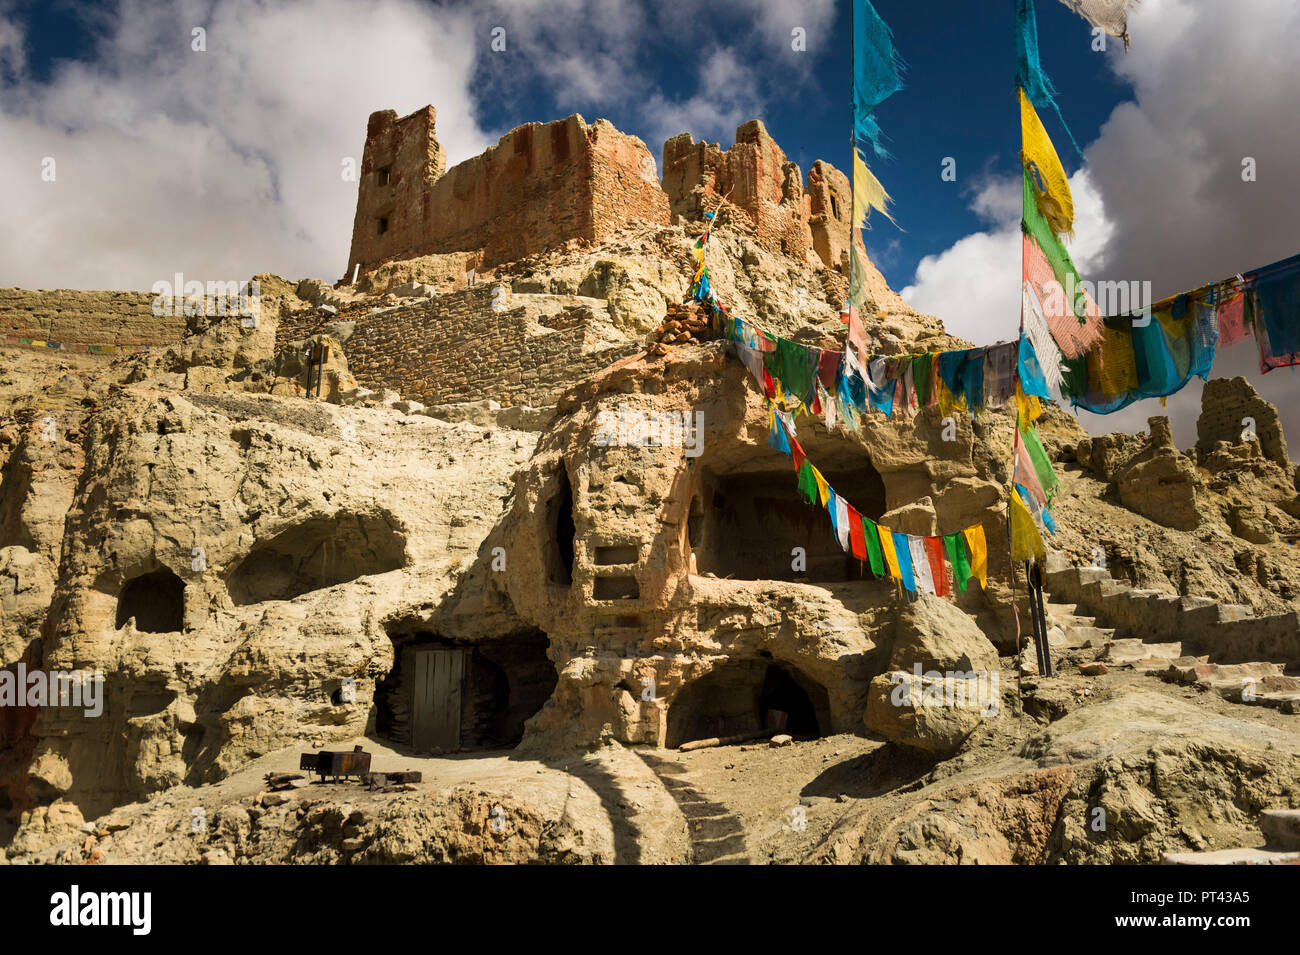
(752, 803)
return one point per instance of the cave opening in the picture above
(755, 519)
(748, 696)
(445, 696)
(156, 600)
(563, 532)
(315, 554)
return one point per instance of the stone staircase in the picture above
(717, 834)
(1196, 641)
(1281, 829)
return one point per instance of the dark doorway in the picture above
(746, 696)
(156, 600)
(446, 695)
(563, 531)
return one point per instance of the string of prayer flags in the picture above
(916, 563)
(1149, 356)
(1108, 15)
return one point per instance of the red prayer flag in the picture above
(1232, 321)
(938, 566)
(857, 537)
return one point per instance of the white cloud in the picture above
(223, 163)
(974, 286)
(1161, 196)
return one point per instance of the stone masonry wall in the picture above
(1225, 404)
(66, 316)
(766, 189)
(542, 185)
(458, 347)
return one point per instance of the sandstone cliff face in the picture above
(650, 566)
(230, 561)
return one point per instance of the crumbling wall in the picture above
(471, 345)
(767, 191)
(1226, 404)
(542, 185)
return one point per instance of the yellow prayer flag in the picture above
(1030, 408)
(868, 193)
(1050, 185)
(822, 486)
(887, 549)
(979, 554)
(1026, 542)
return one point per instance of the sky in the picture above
(209, 137)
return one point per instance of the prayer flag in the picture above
(979, 555)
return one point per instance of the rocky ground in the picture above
(1112, 769)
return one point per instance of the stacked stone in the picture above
(685, 323)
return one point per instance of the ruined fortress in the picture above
(547, 184)
(434, 551)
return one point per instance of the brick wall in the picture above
(68, 316)
(541, 186)
(456, 347)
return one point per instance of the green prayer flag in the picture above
(874, 553)
(808, 483)
(796, 367)
(954, 546)
(923, 377)
(1036, 226)
(1038, 457)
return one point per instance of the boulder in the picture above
(934, 633)
(931, 712)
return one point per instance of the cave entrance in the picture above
(315, 554)
(447, 696)
(559, 516)
(750, 521)
(156, 600)
(746, 696)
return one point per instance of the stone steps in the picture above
(1131, 651)
(716, 833)
(1223, 633)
